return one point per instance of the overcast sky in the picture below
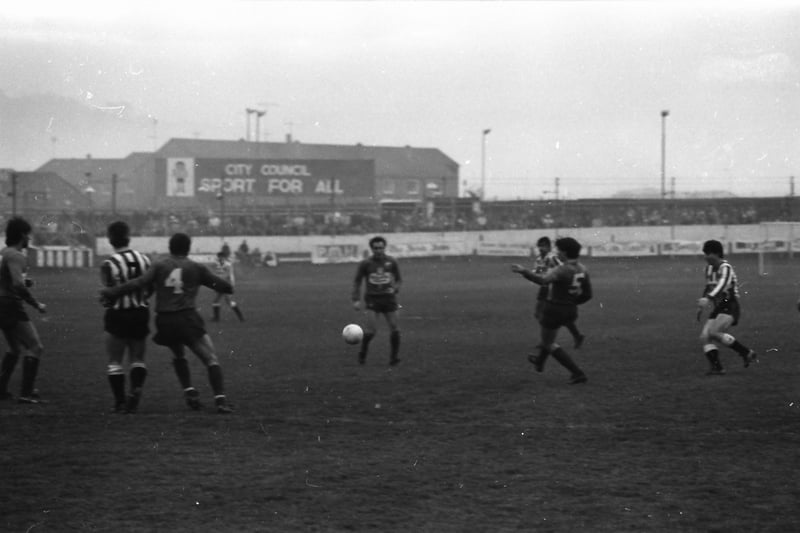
(572, 90)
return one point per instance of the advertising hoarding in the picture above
(265, 180)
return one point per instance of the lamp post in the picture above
(249, 111)
(89, 190)
(221, 198)
(664, 115)
(259, 114)
(114, 179)
(486, 132)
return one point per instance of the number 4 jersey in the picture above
(176, 280)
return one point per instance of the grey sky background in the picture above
(572, 90)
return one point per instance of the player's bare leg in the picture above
(182, 371)
(216, 306)
(137, 374)
(8, 364)
(394, 337)
(29, 338)
(203, 348)
(235, 308)
(718, 332)
(115, 348)
(370, 325)
(577, 336)
(559, 354)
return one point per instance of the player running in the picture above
(568, 286)
(381, 275)
(17, 327)
(721, 298)
(224, 269)
(175, 280)
(545, 260)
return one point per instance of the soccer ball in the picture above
(352, 334)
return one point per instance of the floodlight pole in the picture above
(486, 132)
(221, 198)
(664, 115)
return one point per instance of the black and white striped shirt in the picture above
(121, 266)
(721, 282)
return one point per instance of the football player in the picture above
(380, 274)
(720, 301)
(17, 327)
(175, 281)
(224, 269)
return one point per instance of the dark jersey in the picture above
(175, 281)
(381, 275)
(121, 267)
(13, 269)
(568, 284)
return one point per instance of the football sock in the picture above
(116, 378)
(566, 361)
(182, 371)
(215, 308)
(6, 369)
(394, 341)
(216, 381)
(238, 312)
(365, 342)
(543, 353)
(138, 376)
(713, 358)
(740, 348)
(30, 367)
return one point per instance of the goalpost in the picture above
(777, 237)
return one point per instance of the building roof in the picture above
(41, 190)
(390, 161)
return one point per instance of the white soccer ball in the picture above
(352, 334)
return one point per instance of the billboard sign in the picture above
(205, 179)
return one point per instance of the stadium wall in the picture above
(598, 242)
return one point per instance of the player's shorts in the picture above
(556, 315)
(128, 323)
(11, 313)
(727, 307)
(381, 304)
(181, 327)
(539, 309)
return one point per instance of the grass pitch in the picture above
(462, 436)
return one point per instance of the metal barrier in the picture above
(61, 257)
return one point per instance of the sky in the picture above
(571, 93)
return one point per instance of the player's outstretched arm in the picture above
(530, 275)
(214, 282)
(142, 282)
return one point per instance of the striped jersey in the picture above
(545, 262)
(541, 265)
(721, 282)
(224, 269)
(121, 267)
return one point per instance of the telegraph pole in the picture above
(13, 194)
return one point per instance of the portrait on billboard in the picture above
(180, 176)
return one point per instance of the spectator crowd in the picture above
(80, 227)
